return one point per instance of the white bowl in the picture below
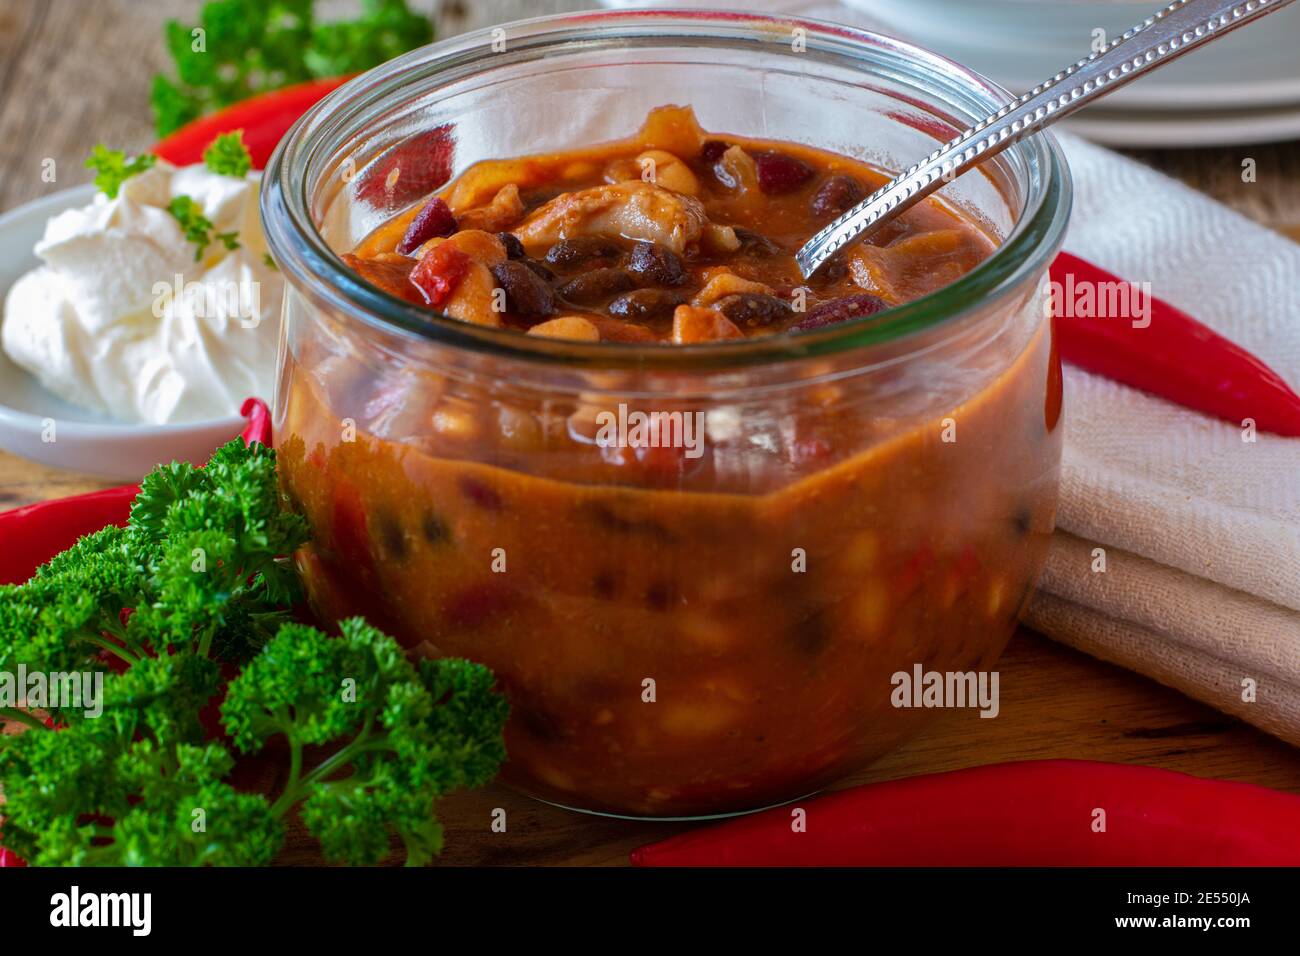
(83, 440)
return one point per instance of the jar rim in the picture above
(301, 251)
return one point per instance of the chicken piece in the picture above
(910, 267)
(737, 170)
(723, 284)
(505, 209)
(656, 166)
(633, 210)
(694, 325)
(482, 181)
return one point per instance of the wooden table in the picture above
(76, 72)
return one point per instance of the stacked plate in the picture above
(1244, 88)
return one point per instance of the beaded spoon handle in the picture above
(1179, 28)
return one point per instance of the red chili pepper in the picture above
(264, 119)
(1037, 813)
(1175, 357)
(36, 533)
(258, 428)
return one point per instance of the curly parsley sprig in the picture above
(112, 168)
(198, 227)
(228, 156)
(201, 565)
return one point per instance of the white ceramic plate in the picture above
(1178, 129)
(1019, 43)
(1243, 89)
(83, 440)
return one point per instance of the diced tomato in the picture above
(439, 272)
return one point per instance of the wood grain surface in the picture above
(76, 72)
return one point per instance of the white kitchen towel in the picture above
(1233, 650)
(1200, 528)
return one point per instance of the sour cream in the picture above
(121, 319)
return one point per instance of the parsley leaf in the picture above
(244, 47)
(228, 156)
(198, 227)
(112, 169)
(369, 739)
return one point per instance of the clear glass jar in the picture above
(871, 496)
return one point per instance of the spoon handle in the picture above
(1177, 29)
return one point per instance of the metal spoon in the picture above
(1177, 29)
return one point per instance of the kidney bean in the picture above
(514, 248)
(756, 244)
(543, 273)
(645, 305)
(434, 220)
(594, 285)
(753, 309)
(841, 310)
(779, 173)
(837, 195)
(657, 264)
(526, 293)
(568, 253)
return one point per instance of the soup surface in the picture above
(672, 236)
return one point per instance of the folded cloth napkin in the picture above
(1199, 530)
(1200, 527)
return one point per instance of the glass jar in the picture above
(725, 633)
